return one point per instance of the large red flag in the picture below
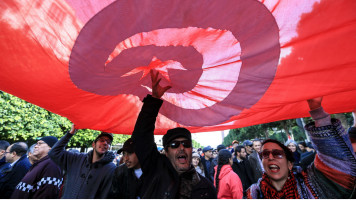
(231, 63)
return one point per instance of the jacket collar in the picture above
(108, 157)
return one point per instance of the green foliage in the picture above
(196, 144)
(23, 121)
(278, 130)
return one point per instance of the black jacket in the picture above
(125, 184)
(160, 179)
(244, 171)
(209, 173)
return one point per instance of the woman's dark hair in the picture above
(223, 159)
(288, 152)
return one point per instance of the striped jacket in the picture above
(43, 180)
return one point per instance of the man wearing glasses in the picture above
(171, 175)
(331, 175)
(44, 178)
(88, 175)
(15, 154)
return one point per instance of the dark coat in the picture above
(306, 159)
(244, 171)
(255, 165)
(125, 184)
(4, 166)
(44, 177)
(160, 179)
(13, 176)
(209, 173)
(84, 179)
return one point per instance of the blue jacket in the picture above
(13, 176)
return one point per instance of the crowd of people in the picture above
(325, 167)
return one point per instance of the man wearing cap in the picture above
(248, 147)
(171, 175)
(89, 175)
(44, 178)
(15, 154)
(207, 161)
(126, 182)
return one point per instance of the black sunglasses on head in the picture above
(176, 144)
(276, 153)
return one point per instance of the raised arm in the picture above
(58, 153)
(334, 166)
(145, 148)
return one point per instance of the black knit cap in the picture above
(176, 133)
(49, 140)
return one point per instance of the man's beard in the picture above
(98, 153)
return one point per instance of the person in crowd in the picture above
(292, 145)
(44, 178)
(215, 154)
(3, 164)
(332, 175)
(200, 152)
(88, 175)
(227, 183)
(171, 175)
(234, 143)
(19, 165)
(198, 165)
(214, 162)
(255, 161)
(256, 145)
(248, 146)
(30, 156)
(207, 161)
(308, 157)
(302, 147)
(242, 168)
(127, 177)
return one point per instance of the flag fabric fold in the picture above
(231, 63)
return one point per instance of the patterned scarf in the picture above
(289, 190)
(187, 181)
